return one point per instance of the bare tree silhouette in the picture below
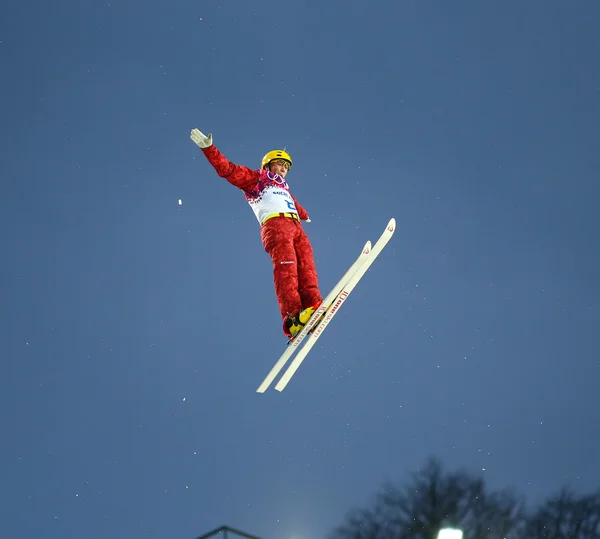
(565, 516)
(434, 500)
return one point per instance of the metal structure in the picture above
(226, 530)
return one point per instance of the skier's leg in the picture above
(308, 281)
(277, 236)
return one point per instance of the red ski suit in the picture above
(294, 272)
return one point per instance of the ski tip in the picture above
(392, 225)
(367, 248)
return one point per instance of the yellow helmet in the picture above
(275, 154)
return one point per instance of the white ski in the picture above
(293, 346)
(337, 303)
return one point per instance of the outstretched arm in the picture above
(238, 175)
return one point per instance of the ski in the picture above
(331, 297)
(337, 303)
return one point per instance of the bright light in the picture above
(450, 533)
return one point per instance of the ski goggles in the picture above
(281, 162)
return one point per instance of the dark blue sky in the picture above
(135, 331)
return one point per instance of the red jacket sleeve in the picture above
(240, 176)
(301, 211)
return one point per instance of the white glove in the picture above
(202, 140)
(307, 221)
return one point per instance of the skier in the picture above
(279, 215)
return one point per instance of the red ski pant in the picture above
(294, 272)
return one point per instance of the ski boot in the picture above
(293, 324)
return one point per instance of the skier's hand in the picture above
(202, 140)
(307, 220)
